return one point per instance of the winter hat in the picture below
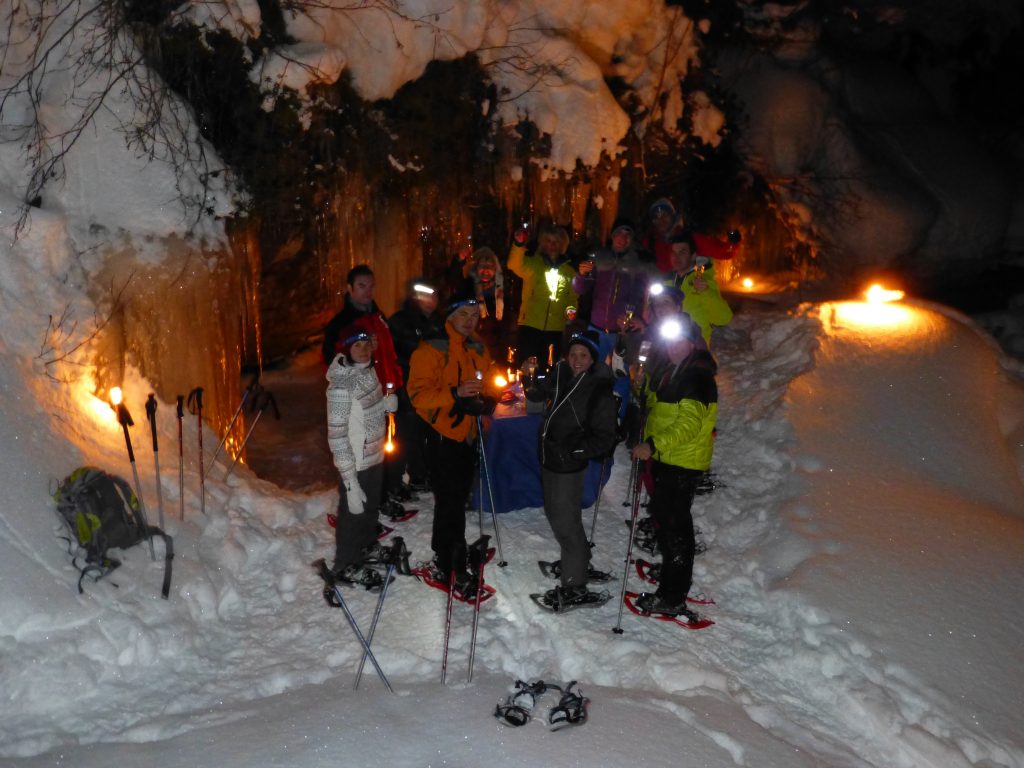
(485, 257)
(588, 339)
(623, 223)
(459, 303)
(358, 330)
(662, 204)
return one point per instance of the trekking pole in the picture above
(634, 513)
(629, 485)
(477, 557)
(597, 501)
(447, 625)
(359, 636)
(485, 470)
(151, 416)
(253, 389)
(263, 400)
(195, 405)
(397, 545)
(124, 418)
(181, 458)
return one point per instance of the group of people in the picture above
(635, 320)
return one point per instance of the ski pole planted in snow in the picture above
(634, 514)
(398, 551)
(597, 501)
(485, 471)
(477, 559)
(195, 405)
(124, 418)
(447, 625)
(181, 458)
(250, 391)
(263, 400)
(151, 417)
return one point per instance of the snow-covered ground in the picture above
(864, 552)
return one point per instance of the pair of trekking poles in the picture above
(259, 401)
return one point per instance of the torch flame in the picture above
(876, 294)
(748, 283)
(115, 395)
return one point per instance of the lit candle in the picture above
(551, 355)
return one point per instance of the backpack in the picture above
(101, 512)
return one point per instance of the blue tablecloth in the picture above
(511, 450)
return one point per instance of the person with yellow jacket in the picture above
(694, 275)
(446, 386)
(548, 292)
(682, 408)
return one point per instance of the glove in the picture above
(390, 403)
(355, 496)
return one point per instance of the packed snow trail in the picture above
(815, 661)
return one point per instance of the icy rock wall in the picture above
(181, 321)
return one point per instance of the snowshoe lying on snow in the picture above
(652, 605)
(518, 707)
(553, 570)
(564, 599)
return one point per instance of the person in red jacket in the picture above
(359, 303)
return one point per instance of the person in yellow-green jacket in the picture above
(682, 408)
(694, 275)
(548, 292)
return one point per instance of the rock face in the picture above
(865, 160)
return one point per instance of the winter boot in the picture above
(652, 602)
(359, 575)
(565, 599)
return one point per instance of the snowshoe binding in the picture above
(564, 599)
(395, 512)
(553, 570)
(381, 555)
(570, 710)
(517, 709)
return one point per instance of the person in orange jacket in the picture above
(448, 376)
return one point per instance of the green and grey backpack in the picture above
(101, 512)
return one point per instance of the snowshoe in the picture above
(565, 599)
(651, 573)
(465, 589)
(395, 512)
(381, 555)
(517, 709)
(553, 570)
(650, 605)
(570, 710)
(359, 575)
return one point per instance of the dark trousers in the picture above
(671, 500)
(408, 455)
(563, 495)
(451, 466)
(534, 342)
(354, 533)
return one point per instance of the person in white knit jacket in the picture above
(356, 432)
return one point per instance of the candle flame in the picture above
(876, 294)
(500, 381)
(748, 283)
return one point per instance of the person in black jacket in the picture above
(579, 425)
(416, 321)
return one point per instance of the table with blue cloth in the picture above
(510, 446)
